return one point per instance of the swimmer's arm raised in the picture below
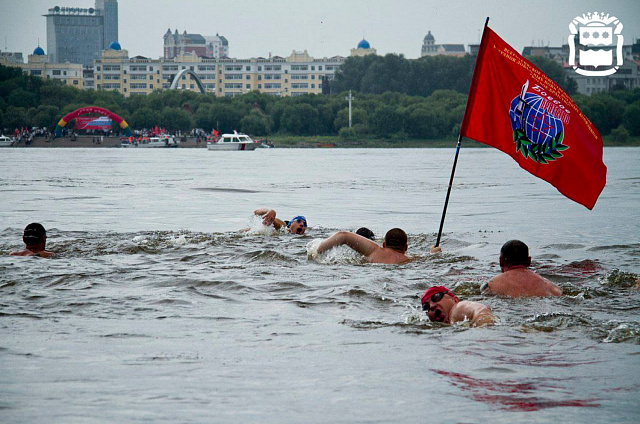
(268, 216)
(278, 223)
(358, 243)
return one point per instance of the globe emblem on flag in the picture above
(537, 133)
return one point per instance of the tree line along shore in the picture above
(397, 103)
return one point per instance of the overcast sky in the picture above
(322, 27)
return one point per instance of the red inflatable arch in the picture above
(92, 109)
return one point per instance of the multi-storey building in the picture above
(627, 76)
(109, 10)
(39, 64)
(430, 48)
(11, 57)
(217, 46)
(363, 48)
(176, 44)
(294, 75)
(78, 35)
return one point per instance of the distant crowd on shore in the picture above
(18, 135)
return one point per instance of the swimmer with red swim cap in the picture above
(441, 305)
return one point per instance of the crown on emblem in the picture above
(595, 17)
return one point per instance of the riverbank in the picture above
(299, 142)
(83, 142)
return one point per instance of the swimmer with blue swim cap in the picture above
(297, 225)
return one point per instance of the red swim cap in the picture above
(436, 289)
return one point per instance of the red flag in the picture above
(215, 133)
(516, 108)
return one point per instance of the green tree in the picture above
(386, 120)
(225, 117)
(55, 94)
(177, 119)
(300, 119)
(358, 116)
(22, 98)
(621, 135)
(421, 123)
(45, 116)
(144, 118)
(256, 123)
(605, 111)
(15, 117)
(631, 119)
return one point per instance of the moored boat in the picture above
(161, 140)
(235, 141)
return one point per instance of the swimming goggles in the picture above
(301, 219)
(435, 298)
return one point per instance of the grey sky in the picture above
(323, 28)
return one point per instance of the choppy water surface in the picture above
(158, 310)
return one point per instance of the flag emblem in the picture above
(537, 127)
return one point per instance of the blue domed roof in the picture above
(115, 46)
(429, 37)
(38, 51)
(364, 44)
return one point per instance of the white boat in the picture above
(235, 141)
(6, 141)
(162, 140)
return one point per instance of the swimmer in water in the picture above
(441, 305)
(35, 239)
(393, 250)
(516, 279)
(365, 232)
(297, 225)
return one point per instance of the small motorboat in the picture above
(235, 141)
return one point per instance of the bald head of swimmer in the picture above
(514, 252)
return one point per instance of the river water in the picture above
(157, 309)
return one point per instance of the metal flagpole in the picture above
(446, 200)
(455, 160)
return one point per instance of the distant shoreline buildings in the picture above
(294, 75)
(176, 44)
(84, 52)
(429, 48)
(78, 35)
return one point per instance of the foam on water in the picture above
(256, 227)
(336, 255)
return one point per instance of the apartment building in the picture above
(294, 75)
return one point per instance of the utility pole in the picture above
(349, 98)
